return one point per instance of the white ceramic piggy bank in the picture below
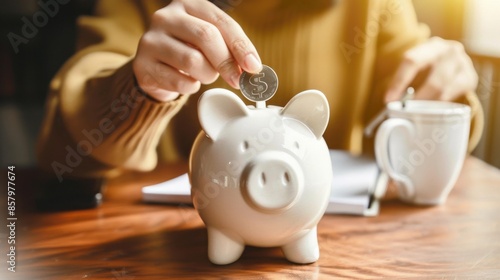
(261, 176)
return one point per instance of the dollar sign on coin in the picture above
(259, 86)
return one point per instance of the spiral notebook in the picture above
(357, 187)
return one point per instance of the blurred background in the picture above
(26, 70)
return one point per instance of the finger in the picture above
(455, 88)
(207, 39)
(439, 79)
(450, 77)
(464, 81)
(180, 56)
(239, 44)
(465, 77)
(430, 90)
(471, 78)
(164, 95)
(414, 61)
(158, 78)
(405, 73)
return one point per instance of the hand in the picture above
(188, 43)
(451, 72)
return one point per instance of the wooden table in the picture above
(127, 239)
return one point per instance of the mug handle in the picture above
(382, 152)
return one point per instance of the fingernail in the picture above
(252, 64)
(235, 80)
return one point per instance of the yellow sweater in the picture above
(97, 123)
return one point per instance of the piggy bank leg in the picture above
(221, 248)
(304, 249)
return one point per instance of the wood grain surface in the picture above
(127, 239)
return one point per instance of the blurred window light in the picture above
(482, 27)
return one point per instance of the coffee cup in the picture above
(422, 147)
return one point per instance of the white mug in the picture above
(422, 147)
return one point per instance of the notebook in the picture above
(357, 186)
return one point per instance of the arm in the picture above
(438, 69)
(446, 73)
(108, 108)
(76, 138)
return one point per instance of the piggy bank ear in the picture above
(311, 108)
(216, 108)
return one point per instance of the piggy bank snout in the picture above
(272, 181)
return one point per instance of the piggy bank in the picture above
(261, 176)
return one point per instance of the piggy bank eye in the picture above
(245, 146)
